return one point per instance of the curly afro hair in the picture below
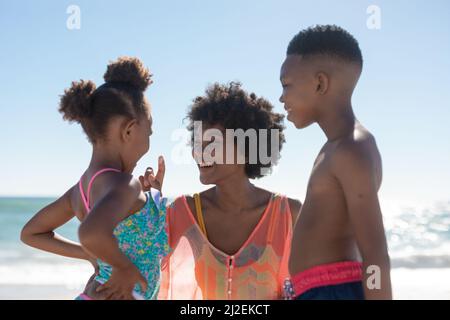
(329, 40)
(122, 94)
(128, 70)
(233, 108)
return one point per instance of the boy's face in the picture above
(299, 91)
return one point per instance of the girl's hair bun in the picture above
(129, 70)
(75, 102)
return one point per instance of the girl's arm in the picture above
(39, 231)
(96, 236)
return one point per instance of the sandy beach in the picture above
(408, 284)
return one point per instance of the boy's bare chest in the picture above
(325, 201)
(322, 179)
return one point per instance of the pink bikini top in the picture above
(85, 197)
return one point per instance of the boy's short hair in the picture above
(327, 40)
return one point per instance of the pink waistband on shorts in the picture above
(326, 275)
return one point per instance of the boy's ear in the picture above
(322, 81)
(128, 128)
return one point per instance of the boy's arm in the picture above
(39, 231)
(355, 171)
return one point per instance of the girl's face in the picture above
(137, 141)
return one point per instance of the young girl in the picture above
(123, 230)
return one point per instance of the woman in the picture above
(231, 241)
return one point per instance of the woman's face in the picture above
(211, 156)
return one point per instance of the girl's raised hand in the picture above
(149, 180)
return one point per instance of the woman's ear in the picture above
(322, 81)
(128, 129)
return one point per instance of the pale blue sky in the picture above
(403, 95)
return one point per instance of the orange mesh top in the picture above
(197, 270)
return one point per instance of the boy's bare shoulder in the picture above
(356, 150)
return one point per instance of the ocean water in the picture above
(418, 238)
(23, 265)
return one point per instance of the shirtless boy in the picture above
(339, 248)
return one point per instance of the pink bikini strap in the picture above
(85, 197)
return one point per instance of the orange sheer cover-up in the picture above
(197, 270)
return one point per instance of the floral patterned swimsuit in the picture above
(142, 237)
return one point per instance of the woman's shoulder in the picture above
(294, 205)
(204, 196)
(268, 194)
(186, 202)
